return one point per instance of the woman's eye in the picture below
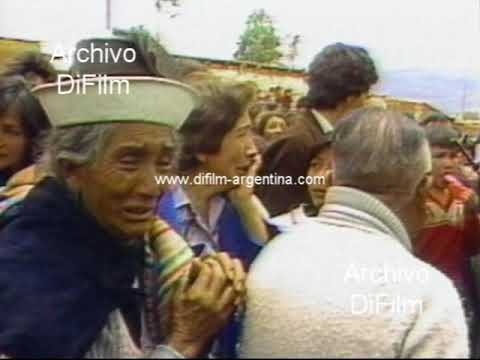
(129, 162)
(165, 165)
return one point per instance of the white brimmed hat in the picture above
(130, 99)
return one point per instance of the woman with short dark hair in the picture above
(207, 126)
(218, 155)
(215, 210)
(22, 122)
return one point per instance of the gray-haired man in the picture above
(346, 284)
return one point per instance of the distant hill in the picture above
(442, 90)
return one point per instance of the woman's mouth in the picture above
(138, 214)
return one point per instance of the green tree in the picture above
(260, 41)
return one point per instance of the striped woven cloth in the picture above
(164, 267)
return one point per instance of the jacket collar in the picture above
(353, 207)
(322, 122)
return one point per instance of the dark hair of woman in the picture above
(17, 101)
(203, 132)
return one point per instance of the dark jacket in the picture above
(61, 277)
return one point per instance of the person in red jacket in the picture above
(451, 235)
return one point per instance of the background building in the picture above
(11, 48)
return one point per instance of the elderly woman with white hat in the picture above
(72, 255)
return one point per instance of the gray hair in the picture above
(78, 145)
(379, 151)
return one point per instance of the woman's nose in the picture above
(251, 148)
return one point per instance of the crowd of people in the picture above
(99, 260)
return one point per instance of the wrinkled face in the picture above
(236, 154)
(120, 190)
(444, 163)
(275, 127)
(321, 167)
(13, 144)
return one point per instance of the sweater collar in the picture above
(358, 207)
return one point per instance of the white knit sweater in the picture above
(345, 285)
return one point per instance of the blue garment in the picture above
(61, 277)
(233, 237)
(200, 234)
(234, 240)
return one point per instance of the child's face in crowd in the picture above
(444, 163)
(13, 143)
(321, 166)
(276, 126)
(237, 153)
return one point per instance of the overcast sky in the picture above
(402, 34)
(409, 34)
